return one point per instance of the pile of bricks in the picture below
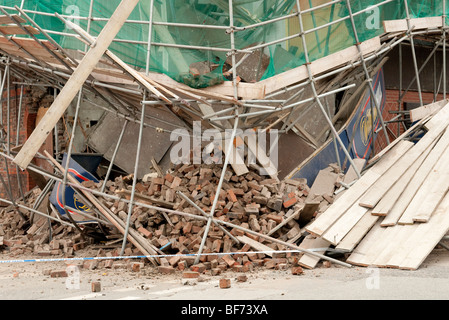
(24, 233)
(264, 205)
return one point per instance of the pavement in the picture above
(31, 281)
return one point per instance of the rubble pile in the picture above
(280, 209)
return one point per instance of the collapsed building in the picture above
(228, 133)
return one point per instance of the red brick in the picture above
(231, 196)
(198, 268)
(225, 283)
(58, 274)
(145, 232)
(190, 274)
(182, 265)
(297, 270)
(166, 269)
(274, 217)
(289, 202)
(136, 266)
(229, 260)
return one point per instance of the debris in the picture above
(225, 283)
(96, 286)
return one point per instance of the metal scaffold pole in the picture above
(316, 97)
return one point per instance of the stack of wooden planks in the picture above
(395, 214)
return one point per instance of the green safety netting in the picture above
(198, 67)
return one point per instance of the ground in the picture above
(31, 281)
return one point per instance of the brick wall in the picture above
(30, 107)
(392, 97)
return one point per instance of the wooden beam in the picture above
(13, 29)
(74, 84)
(424, 111)
(320, 66)
(418, 23)
(7, 20)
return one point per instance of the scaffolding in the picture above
(37, 53)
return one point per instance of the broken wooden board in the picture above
(312, 243)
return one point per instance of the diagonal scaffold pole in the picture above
(368, 78)
(315, 93)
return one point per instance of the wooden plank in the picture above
(378, 190)
(433, 178)
(344, 224)
(350, 196)
(357, 257)
(417, 23)
(410, 130)
(319, 66)
(401, 233)
(7, 20)
(352, 215)
(427, 110)
(414, 184)
(356, 234)
(13, 29)
(402, 247)
(73, 85)
(427, 236)
(246, 91)
(310, 243)
(435, 187)
(256, 245)
(377, 246)
(387, 202)
(237, 162)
